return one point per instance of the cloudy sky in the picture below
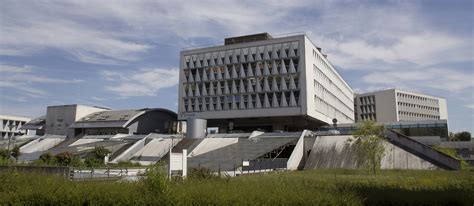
(125, 54)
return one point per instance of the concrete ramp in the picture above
(209, 144)
(128, 152)
(423, 151)
(333, 152)
(231, 156)
(41, 144)
(154, 150)
(84, 141)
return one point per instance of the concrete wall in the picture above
(443, 108)
(50, 170)
(334, 152)
(386, 106)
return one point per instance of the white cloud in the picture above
(25, 81)
(116, 32)
(144, 82)
(437, 78)
(469, 106)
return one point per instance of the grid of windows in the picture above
(329, 98)
(413, 107)
(367, 108)
(9, 127)
(265, 76)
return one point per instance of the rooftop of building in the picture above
(16, 118)
(398, 90)
(76, 105)
(114, 118)
(36, 123)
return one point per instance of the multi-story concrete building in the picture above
(10, 126)
(258, 81)
(397, 105)
(60, 118)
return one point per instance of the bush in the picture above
(15, 153)
(67, 159)
(47, 159)
(4, 154)
(201, 173)
(156, 179)
(125, 164)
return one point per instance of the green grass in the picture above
(310, 187)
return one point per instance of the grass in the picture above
(310, 187)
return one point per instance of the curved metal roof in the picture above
(114, 118)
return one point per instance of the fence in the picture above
(78, 174)
(52, 170)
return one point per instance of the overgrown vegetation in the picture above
(93, 159)
(454, 154)
(310, 187)
(368, 142)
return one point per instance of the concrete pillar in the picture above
(196, 128)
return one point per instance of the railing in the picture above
(77, 174)
(426, 152)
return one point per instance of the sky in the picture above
(125, 54)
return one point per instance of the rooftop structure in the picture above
(259, 82)
(139, 121)
(35, 126)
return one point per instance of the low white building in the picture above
(10, 126)
(398, 105)
(260, 82)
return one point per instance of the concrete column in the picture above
(196, 128)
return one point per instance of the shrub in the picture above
(4, 154)
(67, 159)
(369, 144)
(156, 179)
(125, 164)
(15, 153)
(47, 159)
(201, 173)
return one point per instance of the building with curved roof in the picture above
(35, 126)
(140, 121)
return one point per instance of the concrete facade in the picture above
(11, 126)
(273, 83)
(397, 105)
(60, 118)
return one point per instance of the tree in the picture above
(368, 142)
(65, 158)
(15, 153)
(463, 136)
(48, 159)
(97, 157)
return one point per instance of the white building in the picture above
(397, 105)
(60, 118)
(10, 126)
(258, 81)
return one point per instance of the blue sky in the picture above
(125, 54)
